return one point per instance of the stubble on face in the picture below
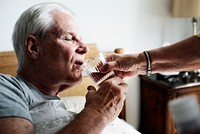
(62, 52)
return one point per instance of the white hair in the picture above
(36, 20)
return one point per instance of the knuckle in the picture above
(108, 82)
(118, 91)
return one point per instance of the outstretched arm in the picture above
(181, 56)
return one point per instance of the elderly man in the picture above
(50, 52)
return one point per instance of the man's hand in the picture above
(108, 99)
(102, 106)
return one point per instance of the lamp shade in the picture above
(186, 8)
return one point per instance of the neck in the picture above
(43, 83)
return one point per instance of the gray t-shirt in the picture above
(19, 98)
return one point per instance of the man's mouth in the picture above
(79, 63)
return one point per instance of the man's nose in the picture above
(83, 48)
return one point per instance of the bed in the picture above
(74, 98)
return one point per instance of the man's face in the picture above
(63, 51)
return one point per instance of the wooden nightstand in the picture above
(156, 91)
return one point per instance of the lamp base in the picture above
(191, 76)
(194, 24)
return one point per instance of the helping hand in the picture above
(123, 65)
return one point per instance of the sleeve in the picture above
(13, 102)
(198, 34)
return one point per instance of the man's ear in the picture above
(32, 47)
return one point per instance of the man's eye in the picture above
(70, 38)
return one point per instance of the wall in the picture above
(135, 25)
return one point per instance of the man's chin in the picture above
(78, 79)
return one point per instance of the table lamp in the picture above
(187, 9)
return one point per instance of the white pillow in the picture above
(117, 126)
(74, 103)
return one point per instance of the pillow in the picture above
(117, 126)
(74, 103)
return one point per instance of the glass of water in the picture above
(92, 66)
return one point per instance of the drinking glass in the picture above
(92, 66)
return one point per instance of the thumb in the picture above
(91, 88)
(108, 67)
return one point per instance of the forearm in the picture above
(182, 56)
(87, 121)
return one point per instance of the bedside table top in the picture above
(172, 81)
